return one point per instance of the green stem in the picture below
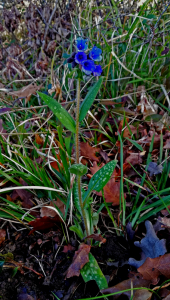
(77, 157)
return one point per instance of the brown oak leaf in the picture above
(81, 257)
(42, 223)
(89, 151)
(48, 212)
(154, 267)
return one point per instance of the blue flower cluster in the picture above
(86, 61)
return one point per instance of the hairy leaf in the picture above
(100, 178)
(92, 271)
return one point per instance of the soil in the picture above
(43, 254)
(46, 263)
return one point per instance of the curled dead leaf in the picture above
(81, 257)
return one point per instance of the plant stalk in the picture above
(77, 146)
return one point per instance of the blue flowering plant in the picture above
(86, 62)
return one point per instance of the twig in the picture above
(48, 25)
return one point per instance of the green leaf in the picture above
(14, 271)
(137, 20)
(60, 112)
(153, 117)
(90, 97)
(100, 178)
(78, 169)
(92, 271)
(77, 229)
(135, 144)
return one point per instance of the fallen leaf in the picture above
(42, 223)
(97, 237)
(134, 159)
(134, 282)
(68, 248)
(89, 151)
(26, 91)
(154, 267)
(146, 140)
(2, 235)
(48, 212)
(81, 257)
(25, 195)
(165, 222)
(167, 144)
(166, 298)
(39, 140)
(142, 294)
(126, 132)
(151, 246)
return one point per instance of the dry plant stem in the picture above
(77, 157)
(48, 25)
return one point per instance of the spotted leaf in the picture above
(92, 271)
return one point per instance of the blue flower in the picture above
(95, 54)
(88, 66)
(81, 44)
(80, 57)
(71, 60)
(97, 71)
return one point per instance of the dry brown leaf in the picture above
(166, 298)
(97, 237)
(167, 144)
(48, 212)
(135, 282)
(126, 132)
(2, 235)
(164, 221)
(134, 159)
(89, 151)
(26, 91)
(81, 257)
(25, 195)
(154, 267)
(68, 248)
(142, 294)
(39, 140)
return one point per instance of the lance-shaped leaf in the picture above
(60, 112)
(90, 97)
(100, 178)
